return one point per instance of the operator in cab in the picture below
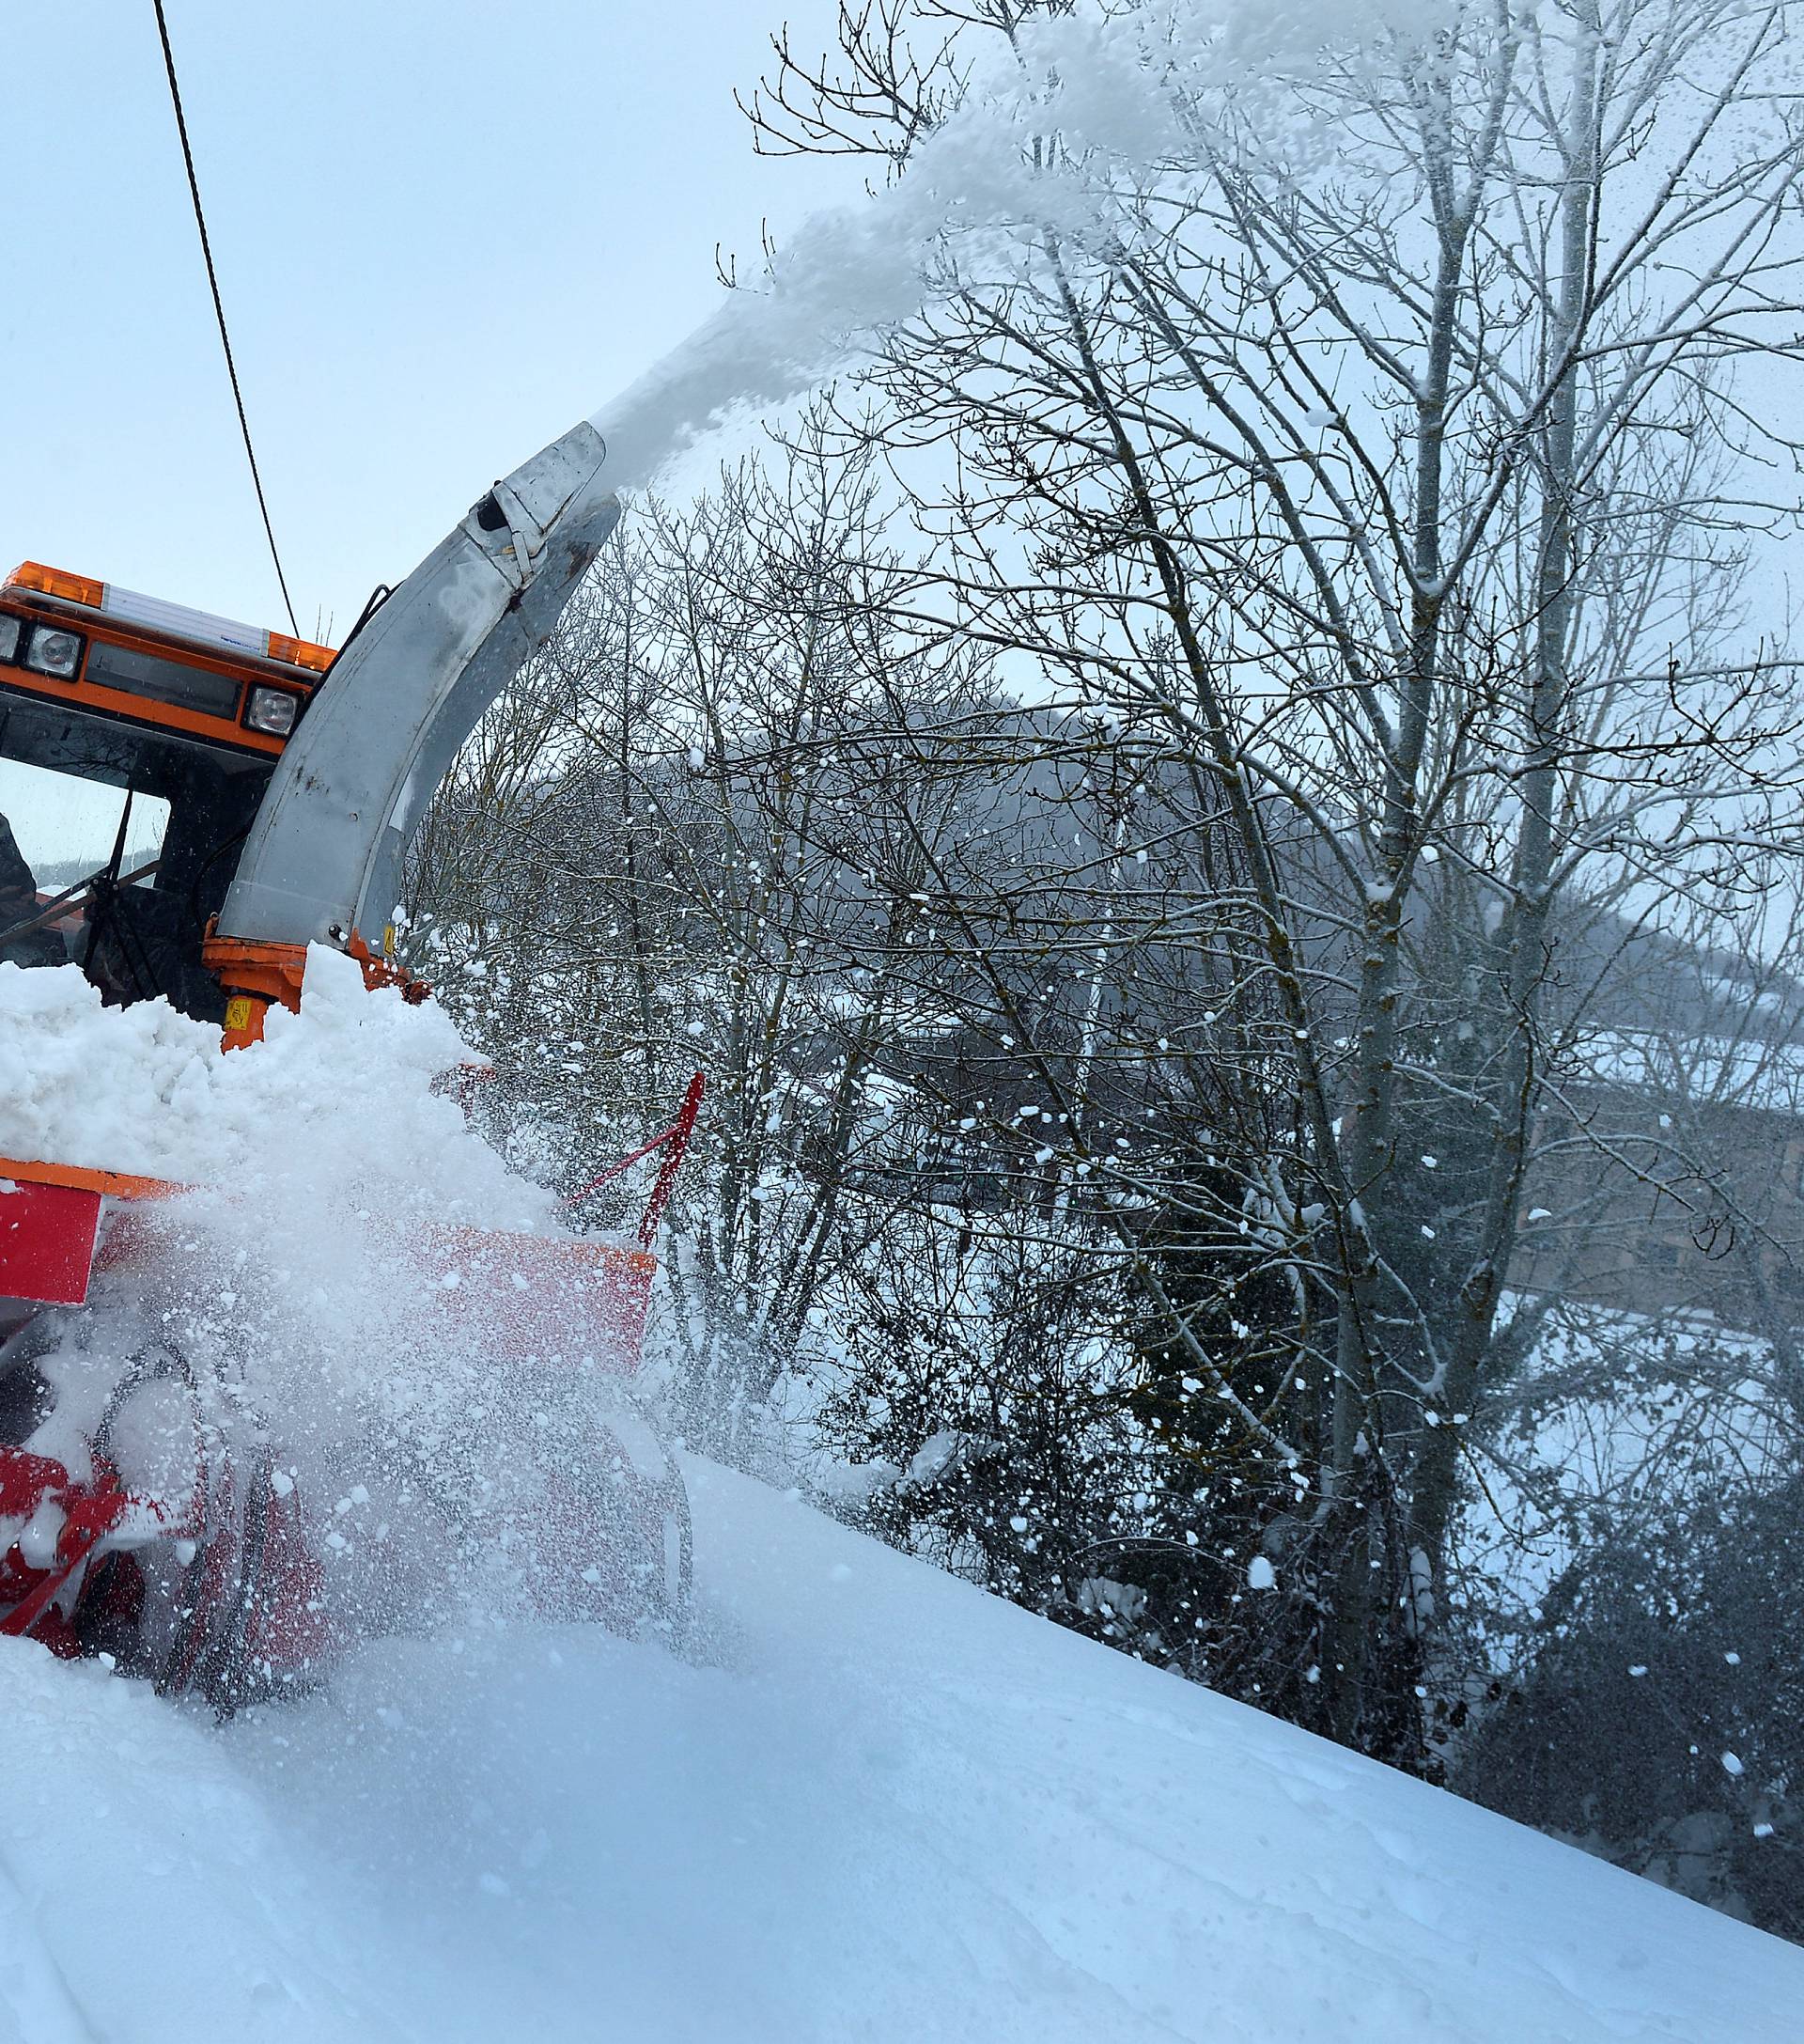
(19, 903)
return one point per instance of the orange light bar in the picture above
(300, 652)
(58, 582)
(199, 628)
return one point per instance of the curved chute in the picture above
(322, 861)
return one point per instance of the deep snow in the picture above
(873, 1803)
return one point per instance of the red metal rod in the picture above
(613, 1171)
(683, 1128)
(674, 1140)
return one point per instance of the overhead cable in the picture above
(219, 310)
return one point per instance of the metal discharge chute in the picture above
(322, 862)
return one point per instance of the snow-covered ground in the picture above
(873, 1803)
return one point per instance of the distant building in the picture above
(1669, 1177)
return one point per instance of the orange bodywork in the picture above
(256, 977)
(74, 1179)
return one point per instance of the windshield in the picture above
(66, 827)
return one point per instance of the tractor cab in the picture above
(137, 739)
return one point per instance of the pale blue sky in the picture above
(445, 230)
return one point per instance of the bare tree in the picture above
(662, 851)
(1400, 494)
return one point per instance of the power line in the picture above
(219, 309)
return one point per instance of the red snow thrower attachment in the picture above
(533, 1295)
(40, 1491)
(251, 1610)
(199, 1573)
(203, 1583)
(50, 1222)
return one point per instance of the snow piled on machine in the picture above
(336, 1103)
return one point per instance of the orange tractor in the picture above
(286, 780)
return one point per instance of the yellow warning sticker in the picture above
(237, 1012)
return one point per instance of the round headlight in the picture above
(55, 652)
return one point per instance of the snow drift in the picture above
(879, 1805)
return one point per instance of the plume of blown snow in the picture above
(1050, 148)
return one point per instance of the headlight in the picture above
(10, 629)
(55, 652)
(273, 710)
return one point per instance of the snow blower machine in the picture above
(290, 780)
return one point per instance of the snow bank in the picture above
(883, 1807)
